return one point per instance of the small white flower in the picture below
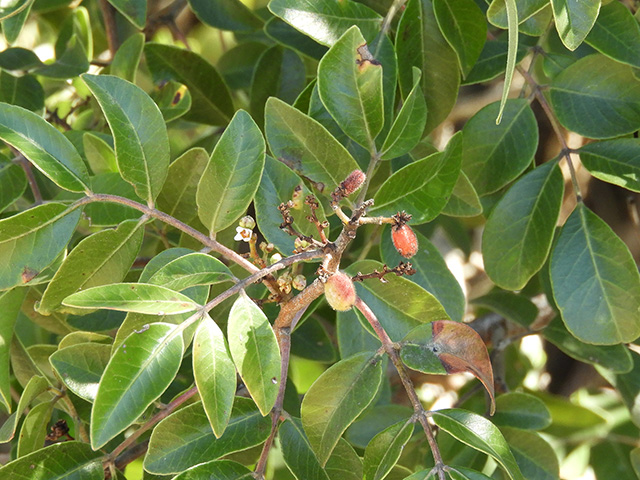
(243, 234)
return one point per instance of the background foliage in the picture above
(141, 337)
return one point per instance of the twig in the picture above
(402, 269)
(110, 27)
(31, 178)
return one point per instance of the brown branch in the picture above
(402, 269)
(31, 178)
(110, 28)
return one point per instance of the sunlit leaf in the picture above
(384, 450)
(614, 161)
(574, 20)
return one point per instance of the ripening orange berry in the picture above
(405, 240)
(340, 291)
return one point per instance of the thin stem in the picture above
(393, 9)
(31, 178)
(76, 418)
(110, 27)
(373, 163)
(391, 350)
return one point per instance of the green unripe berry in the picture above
(340, 292)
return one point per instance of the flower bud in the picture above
(340, 291)
(300, 244)
(275, 258)
(247, 222)
(353, 182)
(284, 282)
(299, 282)
(405, 240)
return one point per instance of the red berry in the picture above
(340, 291)
(404, 240)
(353, 182)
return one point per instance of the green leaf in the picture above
(44, 146)
(107, 214)
(311, 340)
(24, 91)
(517, 308)
(384, 450)
(13, 183)
(595, 281)
(185, 438)
(225, 15)
(492, 61)
(127, 58)
(464, 201)
(102, 258)
(139, 133)
(18, 58)
(35, 387)
(99, 154)
(297, 452)
(71, 63)
(280, 73)
(494, 155)
(133, 297)
(460, 473)
(81, 366)
(211, 100)
(173, 100)
(535, 457)
(497, 12)
(137, 374)
(31, 240)
(66, 460)
(178, 195)
(237, 64)
(597, 84)
(218, 469)
(232, 175)
(399, 303)
(419, 43)
(344, 463)
(628, 384)
(421, 188)
(616, 34)
(133, 10)
(278, 185)
(10, 303)
(512, 20)
(407, 128)
(350, 87)
(574, 20)
(306, 146)
(326, 22)
(518, 234)
(255, 351)
(214, 373)
(613, 357)
(34, 428)
(336, 399)
(190, 270)
(12, 26)
(463, 25)
(432, 273)
(353, 337)
(285, 34)
(614, 161)
(521, 410)
(478, 433)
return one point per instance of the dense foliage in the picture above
(224, 224)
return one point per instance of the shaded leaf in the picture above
(237, 64)
(521, 410)
(71, 63)
(99, 154)
(107, 214)
(133, 10)
(297, 452)
(24, 91)
(535, 457)
(12, 26)
(336, 398)
(517, 308)
(344, 463)
(34, 429)
(464, 201)
(614, 161)
(574, 20)
(225, 15)
(10, 303)
(616, 34)
(384, 450)
(445, 347)
(81, 366)
(173, 100)
(35, 387)
(218, 469)
(492, 61)
(137, 374)
(285, 34)
(139, 133)
(595, 281)
(232, 175)
(127, 58)
(13, 183)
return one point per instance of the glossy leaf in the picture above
(407, 128)
(494, 155)
(518, 234)
(285, 34)
(190, 270)
(35, 387)
(81, 366)
(614, 161)
(137, 374)
(432, 273)
(31, 240)
(326, 22)
(497, 12)
(102, 258)
(464, 201)
(595, 281)
(597, 84)
(255, 351)
(421, 188)
(218, 469)
(225, 15)
(336, 398)
(521, 410)
(185, 437)
(420, 44)
(68, 460)
(44, 146)
(125, 62)
(461, 473)
(463, 25)
(306, 146)
(10, 303)
(24, 91)
(478, 433)
(445, 347)
(384, 450)
(350, 87)
(574, 20)
(613, 357)
(139, 133)
(512, 21)
(133, 10)
(34, 428)
(616, 34)
(13, 183)
(399, 304)
(132, 297)
(214, 373)
(297, 452)
(232, 175)
(211, 100)
(535, 457)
